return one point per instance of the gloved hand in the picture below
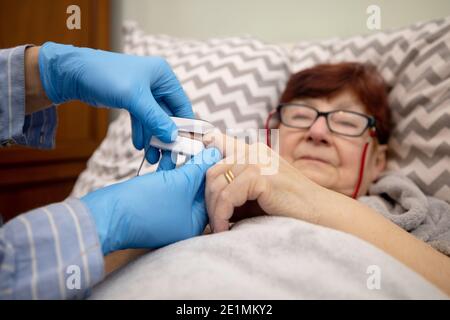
(102, 78)
(155, 209)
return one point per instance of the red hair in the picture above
(329, 80)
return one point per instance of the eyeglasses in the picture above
(347, 123)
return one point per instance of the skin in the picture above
(35, 97)
(314, 191)
(341, 154)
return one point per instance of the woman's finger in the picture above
(246, 186)
(216, 182)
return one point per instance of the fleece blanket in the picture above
(398, 199)
(268, 258)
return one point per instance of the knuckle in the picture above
(210, 174)
(253, 170)
(214, 187)
(224, 196)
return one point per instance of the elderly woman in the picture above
(333, 129)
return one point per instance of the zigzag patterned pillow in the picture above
(231, 82)
(415, 62)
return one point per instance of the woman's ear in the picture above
(379, 161)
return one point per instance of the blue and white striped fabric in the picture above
(37, 129)
(52, 252)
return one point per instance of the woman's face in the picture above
(327, 158)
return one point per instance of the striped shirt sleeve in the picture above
(51, 252)
(35, 130)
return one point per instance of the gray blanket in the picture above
(268, 258)
(397, 198)
(283, 258)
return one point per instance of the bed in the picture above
(235, 82)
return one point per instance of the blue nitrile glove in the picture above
(155, 209)
(102, 78)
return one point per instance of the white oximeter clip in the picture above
(189, 140)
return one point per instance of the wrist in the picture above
(331, 208)
(307, 200)
(35, 96)
(57, 65)
(95, 206)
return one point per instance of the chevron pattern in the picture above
(415, 62)
(231, 82)
(113, 161)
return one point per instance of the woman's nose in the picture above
(319, 132)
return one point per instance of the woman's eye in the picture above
(301, 117)
(347, 124)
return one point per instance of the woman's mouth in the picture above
(308, 158)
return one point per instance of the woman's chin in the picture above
(328, 179)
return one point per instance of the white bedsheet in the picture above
(266, 258)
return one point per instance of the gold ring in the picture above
(229, 176)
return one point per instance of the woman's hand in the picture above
(259, 174)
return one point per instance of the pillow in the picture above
(232, 82)
(415, 62)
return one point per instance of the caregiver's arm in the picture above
(52, 252)
(56, 252)
(21, 95)
(118, 259)
(54, 73)
(348, 215)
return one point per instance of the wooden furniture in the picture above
(31, 178)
